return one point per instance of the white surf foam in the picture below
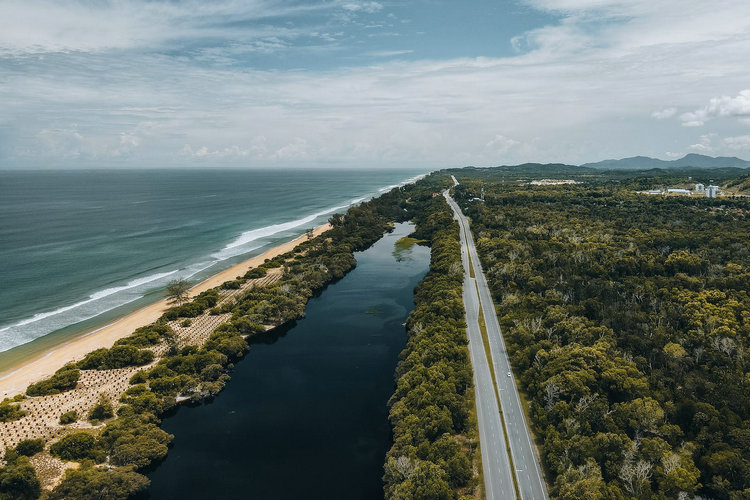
(101, 301)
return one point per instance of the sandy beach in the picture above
(15, 379)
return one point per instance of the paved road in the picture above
(498, 480)
(527, 469)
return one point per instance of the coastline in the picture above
(37, 366)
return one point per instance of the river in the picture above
(305, 413)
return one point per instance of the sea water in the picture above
(78, 248)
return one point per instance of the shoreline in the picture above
(17, 377)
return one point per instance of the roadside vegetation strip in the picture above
(431, 410)
(486, 343)
(131, 440)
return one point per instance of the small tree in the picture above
(30, 447)
(69, 417)
(177, 290)
(102, 410)
(310, 233)
(336, 220)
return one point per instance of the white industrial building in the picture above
(712, 191)
(700, 188)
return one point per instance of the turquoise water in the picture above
(80, 247)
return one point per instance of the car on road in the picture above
(509, 374)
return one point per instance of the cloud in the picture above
(233, 152)
(501, 144)
(362, 6)
(712, 143)
(79, 25)
(664, 113)
(84, 80)
(388, 53)
(705, 145)
(71, 143)
(723, 106)
(738, 143)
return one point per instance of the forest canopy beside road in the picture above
(627, 317)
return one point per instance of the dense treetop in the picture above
(628, 318)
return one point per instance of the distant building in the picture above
(553, 182)
(655, 191)
(678, 191)
(712, 191)
(700, 188)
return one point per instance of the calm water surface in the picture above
(304, 416)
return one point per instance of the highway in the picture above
(525, 460)
(498, 481)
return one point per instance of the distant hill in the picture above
(691, 160)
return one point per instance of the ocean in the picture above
(80, 248)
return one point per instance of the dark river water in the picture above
(304, 416)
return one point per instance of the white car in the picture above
(509, 374)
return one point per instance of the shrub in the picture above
(231, 285)
(92, 483)
(102, 409)
(63, 380)
(77, 446)
(135, 439)
(138, 377)
(68, 417)
(148, 335)
(186, 323)
(247, 327)
(119, 356)
(18, 480)
(256, 273)
(30, 447)
(10, 412)
(203, 301)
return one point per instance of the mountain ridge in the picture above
(689, 160)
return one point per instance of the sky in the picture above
(370, 83)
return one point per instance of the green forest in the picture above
(432, 410)
(627, 318)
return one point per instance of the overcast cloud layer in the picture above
(370, 83)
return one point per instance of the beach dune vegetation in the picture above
(30, 447)
(68, 417)
(10, 411)
(102, 410)
(119, 356)
(147, 336)
(64, 379)
(256, 272)
(195, 307)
